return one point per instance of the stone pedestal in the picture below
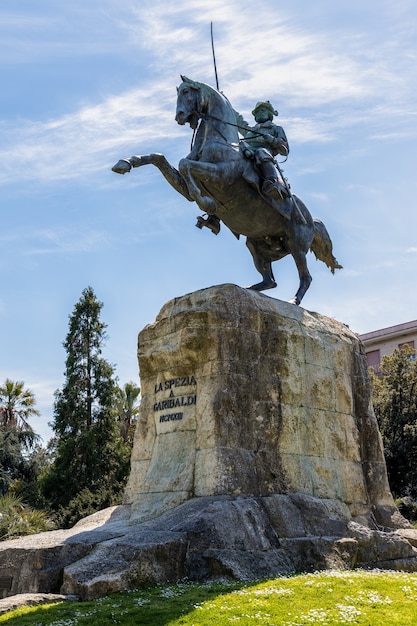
(243, 394)
(256, 453)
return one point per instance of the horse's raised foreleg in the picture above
(264, 267)
(170, 173)
(202, 172)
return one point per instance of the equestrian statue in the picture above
(238, 181)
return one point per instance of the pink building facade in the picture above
(379, 343)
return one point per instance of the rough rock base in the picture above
(256, 453)
(203, 539)
(243, 394)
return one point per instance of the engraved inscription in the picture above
(179, 397)
(172, 403)
(171, 417)
(181, 381)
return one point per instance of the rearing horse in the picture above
(223, 182)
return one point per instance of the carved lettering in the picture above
(171, 417)
(171, 403)
(180, 381)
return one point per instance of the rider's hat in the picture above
(266, 105)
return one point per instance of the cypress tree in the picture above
(90, 455)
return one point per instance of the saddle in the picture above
(273, 191)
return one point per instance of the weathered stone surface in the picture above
(31, 599)
(243, 537)
(256, 453)
(137, 558)
(245, 394)
(36, 562)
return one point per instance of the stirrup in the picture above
(212, 222)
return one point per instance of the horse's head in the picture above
(190, 102)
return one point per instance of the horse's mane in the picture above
(207, 91)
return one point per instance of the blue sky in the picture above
(86, 83)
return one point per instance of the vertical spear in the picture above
(214, 56)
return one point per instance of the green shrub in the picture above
(87, 502)
(17, 519)
(408, 508)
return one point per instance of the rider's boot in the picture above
(212, 222)
(277, 192)
(274, 189)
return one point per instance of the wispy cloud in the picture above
(64, 30)
(74, 145)
(324, 84)
(36, 242)
(89, 82)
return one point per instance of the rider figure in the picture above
(262, 143)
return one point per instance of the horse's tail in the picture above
(322, 246)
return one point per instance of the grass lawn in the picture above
(370, 598)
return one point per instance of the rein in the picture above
(239, 127)
(205, 118)
(218, 119)
(193, 137)
(208, 116)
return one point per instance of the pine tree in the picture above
(90, 455)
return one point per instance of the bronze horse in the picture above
(223, 182)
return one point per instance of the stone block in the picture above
(256, 453)
(275, 395)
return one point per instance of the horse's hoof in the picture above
(263, 286)
(122, 167)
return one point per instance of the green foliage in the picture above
(87, 502)
(17, 519)
(11, 459)
(394, 396)
(17, 405)
(90, 455)
(407, 507)
(127, 408)
(27, 485)
(329, 598)
(16, 464)
(17, 437)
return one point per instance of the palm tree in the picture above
(127, 409)
(17, 405)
